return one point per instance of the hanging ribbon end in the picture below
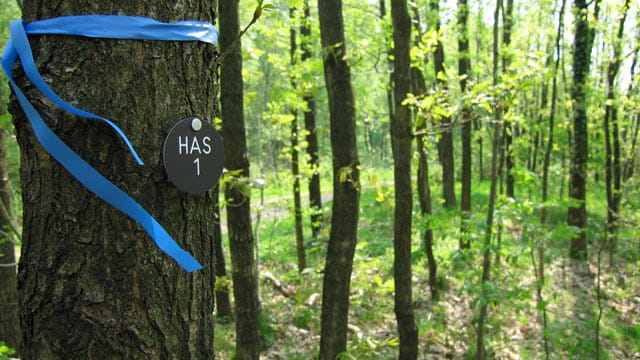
(191, 267)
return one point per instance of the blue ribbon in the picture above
(98, 26)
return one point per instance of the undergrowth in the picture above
(447, 326)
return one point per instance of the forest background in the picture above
(544, 294)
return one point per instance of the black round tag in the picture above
(193, 155)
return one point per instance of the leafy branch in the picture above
(257, 13)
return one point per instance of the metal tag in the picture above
(193, 155)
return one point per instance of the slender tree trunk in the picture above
(91, 283)
(583, 41)
(346, 177)
(315, 195)
(486, 263)
(401, 139)
(424, 189)
(9, 321)
(241, 240)
(445, 143)
(495, 163)
(508, 126)
(477, 127)
(540, 271)
(295, 162)
(630, 163)
(419, 89)
(297, 202)
(631, 131)
(390, 100)
(499, 110)
(613, 166)
(464, 69)
(477, 124)
(223, 302)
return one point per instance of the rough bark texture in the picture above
(344, 218)
(9, 321)
(583, 41)
(241, 240)
(401, 140)
(92, 283)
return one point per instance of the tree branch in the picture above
(234, 44)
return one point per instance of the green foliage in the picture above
(5, 351)
(276, 80)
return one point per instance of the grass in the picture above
(447, 326)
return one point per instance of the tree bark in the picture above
(344, 217)
(92, 284)
(401, 140)
(583, 41)
(242, 243)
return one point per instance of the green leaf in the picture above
(298, 4)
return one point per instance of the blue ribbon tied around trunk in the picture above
(98, 26)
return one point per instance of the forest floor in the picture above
(291, 302)
(447, 326)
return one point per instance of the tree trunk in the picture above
(546, 163)
(464, 69)
(91, 283)
(583, 41)
(495, 163)
(9, 320)
(508, 126)
(223, 302)
(445, 143)
(242, 243)
(315, 195)
(419, 88)
(344, 216)
(401, 139)
(295, 162)
(613, 166)
(630, 132)
(486, 263)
